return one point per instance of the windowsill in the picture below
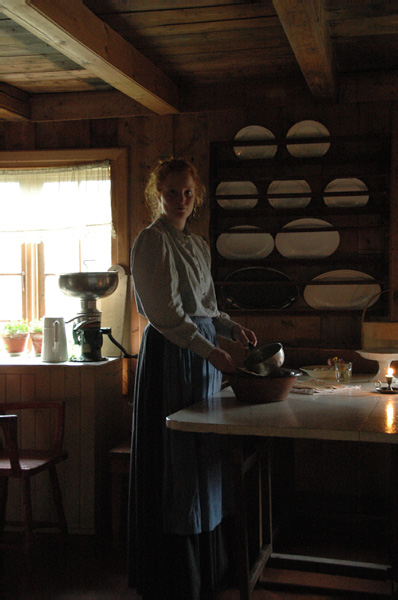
(31, 360)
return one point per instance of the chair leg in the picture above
(3, 503)
(57, 495)
(27, 506)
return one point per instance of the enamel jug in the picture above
(55, 348)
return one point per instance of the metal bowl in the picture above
(262, 360)
(89, 286)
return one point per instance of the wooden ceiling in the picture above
(148, 52)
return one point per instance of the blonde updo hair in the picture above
(158, 176)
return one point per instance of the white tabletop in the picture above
(355, 415)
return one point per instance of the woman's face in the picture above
(177, 197)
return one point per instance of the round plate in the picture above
(259, 296)
(297, 186)
(345, 185)
(308, 244)
(320, 371)
(250, 246)
(249, 134)
(305, 129)
(337, 296)
(236, 188)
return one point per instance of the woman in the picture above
(179, 489)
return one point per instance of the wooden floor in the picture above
(81, 570)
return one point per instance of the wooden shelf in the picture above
(364, 230)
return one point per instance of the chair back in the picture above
(9, 424)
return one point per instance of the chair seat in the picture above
(31, 461)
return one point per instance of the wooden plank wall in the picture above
(189, 135)
(149, 137)
(94, 423)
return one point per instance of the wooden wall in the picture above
(93, 425)
(362, 109)
(190, 135)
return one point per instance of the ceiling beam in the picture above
(14, 104)
(74, 106)
(111, 104)
(305, 25)
(72, 29)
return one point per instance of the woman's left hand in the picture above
(243, 335)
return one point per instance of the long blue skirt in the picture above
(180, 483)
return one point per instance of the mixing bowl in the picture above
(265, 358)
(256, 389)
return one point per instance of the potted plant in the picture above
(36, 335)
(15, 336)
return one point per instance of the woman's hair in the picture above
(159, 174)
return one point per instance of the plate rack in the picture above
(363, 227)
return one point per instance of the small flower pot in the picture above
(37, 342)
(15, 344)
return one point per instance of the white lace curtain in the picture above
(42, 203)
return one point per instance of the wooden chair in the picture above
(23, 464)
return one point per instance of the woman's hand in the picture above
(221, 360)
(244, 336)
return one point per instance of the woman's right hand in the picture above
(221, 360)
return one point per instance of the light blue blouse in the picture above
(172, 282)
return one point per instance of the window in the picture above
(55, 219)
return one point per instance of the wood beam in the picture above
(75, 106)
(305, 25)
(14, 104)
(111, 104)
(72, 29)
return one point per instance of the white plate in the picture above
(345, 185)
(320, 371)
(236, 188)
(351, 296)
(296, 186)
(307, 244)
(305, 129)
(240, 246)
(251, 133)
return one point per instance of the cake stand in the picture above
(383, 356)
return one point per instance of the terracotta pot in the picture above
(37, 342)
(15, 344)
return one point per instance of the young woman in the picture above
(180, 490)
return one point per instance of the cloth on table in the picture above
(315, 386)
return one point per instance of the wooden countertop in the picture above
(355, 415)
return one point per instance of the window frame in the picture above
(117, 157)
(118, 160)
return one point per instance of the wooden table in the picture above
(359, 415)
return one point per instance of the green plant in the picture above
(36, 326)
(15, 327)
